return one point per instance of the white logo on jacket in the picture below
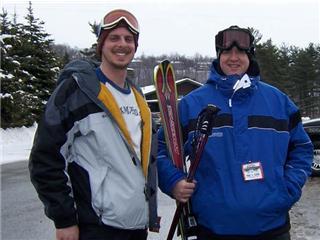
(217, 134)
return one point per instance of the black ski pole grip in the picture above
(206, 118)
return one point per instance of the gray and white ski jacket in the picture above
(83, 164)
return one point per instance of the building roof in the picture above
(151, 88)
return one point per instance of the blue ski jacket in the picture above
(257, 124)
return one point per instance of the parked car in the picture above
(312, 127)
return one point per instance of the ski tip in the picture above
(163, 65)
(166, 62)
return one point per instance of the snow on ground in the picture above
(16, 143)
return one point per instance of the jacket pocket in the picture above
(278, 201)
(284, 192)
(98, 182)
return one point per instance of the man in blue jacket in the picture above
(257, 158)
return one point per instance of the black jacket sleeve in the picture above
(48, 168)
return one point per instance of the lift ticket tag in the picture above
(252, 171)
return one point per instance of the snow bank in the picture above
(16, 143)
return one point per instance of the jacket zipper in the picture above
(109, 115)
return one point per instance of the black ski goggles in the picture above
(232, 36)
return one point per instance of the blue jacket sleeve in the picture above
(168, 174)
(299, 158)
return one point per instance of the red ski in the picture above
(164, 81)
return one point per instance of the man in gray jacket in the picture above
(92, 161)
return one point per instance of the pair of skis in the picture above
(164, 80)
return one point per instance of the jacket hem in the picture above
(268, 235)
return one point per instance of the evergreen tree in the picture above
(257, 35)
(12, 94)
(39, 62)
(268, 58)
(6, 75)
(316, 84)
(30, 68)
(283, 63)
(305, 75)
(91, 52)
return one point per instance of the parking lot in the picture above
(305, 220)
(22, 216)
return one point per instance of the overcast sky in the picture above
(179, 26)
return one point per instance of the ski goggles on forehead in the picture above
(240, 37)
(114, 18)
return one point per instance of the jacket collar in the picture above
(226, 83)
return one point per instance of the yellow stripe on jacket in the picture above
(146, 130)
(106, 97)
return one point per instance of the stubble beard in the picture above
(116, 65)
(111, 59)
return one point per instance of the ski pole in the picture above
(205, 121)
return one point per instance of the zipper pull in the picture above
(100, 217)
(230, 102)
(146, 192)
(134, 160)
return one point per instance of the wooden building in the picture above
(184, 86)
